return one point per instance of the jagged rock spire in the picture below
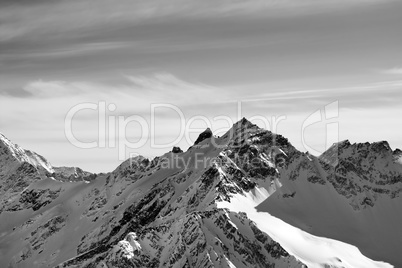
(204, 135)
(176, 150)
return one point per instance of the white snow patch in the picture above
(312, 250)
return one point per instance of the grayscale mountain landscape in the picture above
(252, 201)
(200, 134)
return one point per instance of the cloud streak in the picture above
(196, 96)
(395, 70)
(134, 94)
(278, 57)
(30, 18)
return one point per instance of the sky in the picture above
(90, 83)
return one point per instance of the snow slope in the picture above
(184, 209)
(312, 250)
(355, 199)
(12, 155)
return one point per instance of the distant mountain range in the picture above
(245, 199)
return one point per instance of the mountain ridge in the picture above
(170, 211)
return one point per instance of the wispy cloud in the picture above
(168, 88)
(395, 70)
(29, 17)
(76, 50)
(47, 89)
(156, 87)
(133, 95)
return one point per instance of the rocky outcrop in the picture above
(204, 135)
(161, 213)
(363, 172)
(176, 150)
(71, 174)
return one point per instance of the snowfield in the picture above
(253, 201)
(314, 251)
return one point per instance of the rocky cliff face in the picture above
(165, 212)
(364, 172)
(20, 168)
(350, 193)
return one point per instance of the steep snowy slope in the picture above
(314, 251)
(182, 209)
(351, 193)
(19, 168)
(168, 202)
(11, 156)
(15, 160)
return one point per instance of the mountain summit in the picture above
(19, 168)
(204, 135)
(12, 155)
(207, 207)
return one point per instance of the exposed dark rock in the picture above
(204, 135)
(176, 150)
(178, 217)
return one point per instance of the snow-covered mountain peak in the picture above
(397, 151)
(343, 143)
(345, 149)
(18, 164)
(243, 125)
(397, 155)
(132, 163)
(196, 208)
(377, 147)
(244, 122)
(12, 149)
(12, 155)
(72, 174)
(381, 146)
(365, 166)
